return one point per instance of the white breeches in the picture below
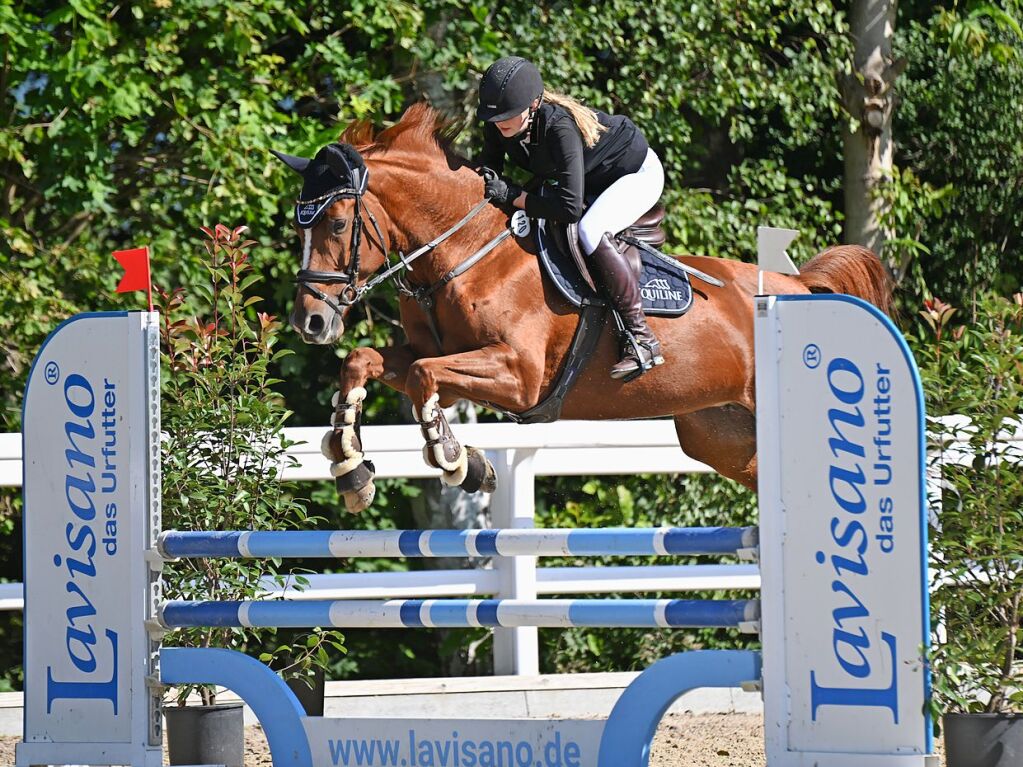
(622, 203)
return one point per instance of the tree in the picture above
(868, 97)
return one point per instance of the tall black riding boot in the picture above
(642, 351)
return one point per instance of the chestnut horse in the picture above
(503, 329)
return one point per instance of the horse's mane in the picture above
(420, 128)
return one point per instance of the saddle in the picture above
(664, 285)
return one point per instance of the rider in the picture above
(590, 155)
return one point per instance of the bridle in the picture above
(308, 278)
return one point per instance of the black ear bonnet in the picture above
(336, 171)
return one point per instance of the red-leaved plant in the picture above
(223, 450)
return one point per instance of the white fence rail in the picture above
(565, 448)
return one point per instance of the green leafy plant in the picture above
(973, 375)
(910, 205)
(224, 448)
(973, 237)
(969, 32)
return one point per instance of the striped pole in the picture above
(623, 541)
(466, 613)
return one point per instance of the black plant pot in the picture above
(311, 698)
(206, 734)
(983, 740)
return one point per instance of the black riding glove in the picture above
(497, 190)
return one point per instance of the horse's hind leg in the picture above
(724, 438)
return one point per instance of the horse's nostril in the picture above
(314, 324)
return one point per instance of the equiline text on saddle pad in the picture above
(663, 282)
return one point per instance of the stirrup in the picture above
(645, 357)
(643, 353)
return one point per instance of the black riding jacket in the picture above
(553, 149)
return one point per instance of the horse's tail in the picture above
(850, 269)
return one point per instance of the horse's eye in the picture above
(338, 225)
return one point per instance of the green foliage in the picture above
(975, 32)
(959, 129)
(728, 93)
(973, 372)
(136, 123)
(224, 449)
(911, 207)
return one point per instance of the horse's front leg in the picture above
(353, 474)
(465, 467)
(493, 374)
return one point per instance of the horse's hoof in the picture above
(357, 501)
(356, 487)
(480, 474)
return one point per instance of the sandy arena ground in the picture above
(685, 740)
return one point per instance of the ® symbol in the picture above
(811, 356)
(52, 373)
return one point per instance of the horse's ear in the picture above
(297, 164)
(346, 163)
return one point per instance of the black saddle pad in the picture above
(663, 283)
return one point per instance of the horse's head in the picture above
(338, 250)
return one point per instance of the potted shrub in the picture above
(973, 374)
(222, 452)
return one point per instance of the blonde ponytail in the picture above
(584, 117)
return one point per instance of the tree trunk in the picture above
(868, 97)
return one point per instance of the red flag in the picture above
(136, 271)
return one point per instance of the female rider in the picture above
(589, 155)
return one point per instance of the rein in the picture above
(405, 261)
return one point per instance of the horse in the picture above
(495, 331)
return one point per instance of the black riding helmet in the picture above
(509, 86)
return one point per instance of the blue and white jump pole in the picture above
(550, 542)
(843, 612)
(742, 614)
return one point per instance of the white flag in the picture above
(771, 255)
